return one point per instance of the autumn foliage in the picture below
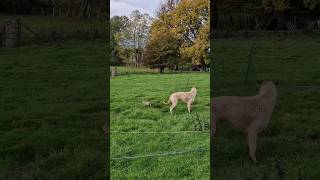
(179, 35)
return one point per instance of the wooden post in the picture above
(248, 67)
(18, 24)
(113, 71)
(12, 33)
(1, 39)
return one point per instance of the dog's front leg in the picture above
(189, 106)
(252, 142)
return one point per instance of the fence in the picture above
(161, 154)
(246, 25)
(17, 32)
(254, 57)
(251, 22)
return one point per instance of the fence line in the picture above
(163, 154)
(157, 132)
(63, 101)
(302, 87)
(298, 87)
(280, 57)
(53, 70)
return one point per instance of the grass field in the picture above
(129, 115)
(53, 107)
(289, 148)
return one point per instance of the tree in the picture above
(191, 24)
(187, 24)
(276, 5)
(135, 34)
(162, 49)
(167, 7)
(117, 24)
(199, 51)
(81, 8)
(311, 4)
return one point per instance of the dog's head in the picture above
(268, 86)
(194, 89)
(264, 82)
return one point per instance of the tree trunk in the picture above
(161, 69)
(215, 15)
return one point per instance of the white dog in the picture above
(251, 114)
(186, 97)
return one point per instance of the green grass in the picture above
(52, 111)
(129, 115)
(289, 147)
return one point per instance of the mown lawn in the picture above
(289, 148)
(129, 115)
(53, 108)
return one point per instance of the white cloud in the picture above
(125, 7)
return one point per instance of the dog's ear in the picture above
(260, 81)
(276, 83)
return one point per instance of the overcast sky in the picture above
(125, 7)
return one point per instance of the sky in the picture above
(125, 7)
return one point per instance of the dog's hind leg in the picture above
(252, 142)
(213, 124)
(173, 105)
(213, 119)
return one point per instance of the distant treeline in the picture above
(67, 8)
(264, 14)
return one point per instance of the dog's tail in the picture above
(166, 102)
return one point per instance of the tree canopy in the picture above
(70, 8)
(130, 35)
(187, 23)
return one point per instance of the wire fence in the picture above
(21, 71)
(158, 132)
(162, 154)
(292, 86)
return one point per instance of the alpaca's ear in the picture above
(259, 81)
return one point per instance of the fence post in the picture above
(231, 22)
(113, 71)
(248, 67)
(12, 33)
(18, 24)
